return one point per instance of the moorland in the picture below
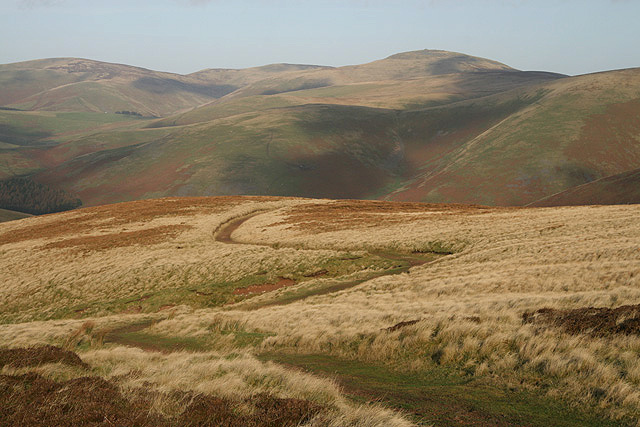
(432, 239)
(323, 312)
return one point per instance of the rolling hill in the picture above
(429, 126)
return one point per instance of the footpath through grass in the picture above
(440, 397)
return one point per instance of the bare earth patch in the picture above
(282, 282)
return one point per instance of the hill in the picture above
(427, 126)
(82, 85)
(618, 189)
(579, 129)
(7, 215)
(509, 148)
(429, 314)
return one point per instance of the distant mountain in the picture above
(72, 84)
(397, 68)
(418, 126)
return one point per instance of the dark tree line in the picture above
(28, 196)
(129, 113)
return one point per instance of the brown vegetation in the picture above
(88, 219)
(32, 400)
(38, 355)
(148, 236)
(347, 214)
(596, 321)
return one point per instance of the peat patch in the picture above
(32, 400)
(35, 356)
(598, 322)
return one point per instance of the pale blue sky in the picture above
(183, 36)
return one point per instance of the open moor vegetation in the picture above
(342, 312)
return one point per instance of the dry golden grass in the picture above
(469, 305)
(124, 252)
(507, 261)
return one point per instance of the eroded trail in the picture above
(438, 397)
(223, 234)
(403, 263)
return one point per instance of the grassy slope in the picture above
(583, 128)
(30, 140)
(401, 67)
(317, 150)
(416, 126)
(6, 215)
(71, 84)
(397, 94)
(623, 188)
(308, 150)
(439, 397)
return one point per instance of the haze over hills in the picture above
(418, 126)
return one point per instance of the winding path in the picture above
(224, 235)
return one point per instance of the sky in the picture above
(183, 36)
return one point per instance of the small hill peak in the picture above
(445, 62)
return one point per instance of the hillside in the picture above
(579, 129)
(6, 215)
(428, 126)
(618, 189)
(270, 146)
(341, 312)
(82, 85)
(396, 68)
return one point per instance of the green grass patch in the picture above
(217, 293)
(440, 396)
(28, 127)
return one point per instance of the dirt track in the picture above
(224, 235)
